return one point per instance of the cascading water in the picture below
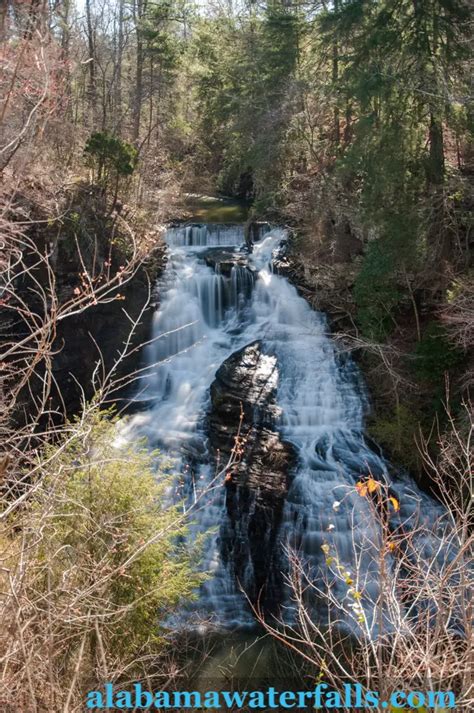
(207, 235)
(205, 316)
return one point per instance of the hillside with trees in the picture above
(348, 123)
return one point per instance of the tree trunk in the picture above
(92, 88)
(3, 21)
(150, 110)
(335, 80)
(137, 103)
(348, 124)
(436, 159)
(65, 41)
(119, 58)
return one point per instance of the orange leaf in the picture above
(362, 489)
(372, 485)
(395, 503)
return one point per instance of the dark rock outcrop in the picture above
(86, 237)
(244, 391)
(99, 335)
(222, 260)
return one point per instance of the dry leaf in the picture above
(395, 503)
(372, 485)
(362, 489)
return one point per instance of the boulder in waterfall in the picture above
(222, 261)
(246, 384)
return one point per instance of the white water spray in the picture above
(203, 318)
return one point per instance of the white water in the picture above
(204, 318)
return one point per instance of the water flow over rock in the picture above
(225, 316)
(210, 235)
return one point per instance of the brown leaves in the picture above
(4, 463)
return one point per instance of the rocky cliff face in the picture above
(88, 235)
(84, 237)
(98, 336)
(245, 387)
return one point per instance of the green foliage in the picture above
(400, 62)
(110, 543)
(376, 292)
(245, 67)
(163, 45)
(109, 156)
(381, 285)
(435, 354)
(397, 432)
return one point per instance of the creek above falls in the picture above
(232, 340)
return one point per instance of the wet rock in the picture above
(222, 261)
(244, 393)
(99, 335)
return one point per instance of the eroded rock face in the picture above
(100, 333)
(246, 384)
(222, 260)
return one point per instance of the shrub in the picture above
(397, 431)
(102, 566)
(435, 354)
(110, 157)
(376, 292)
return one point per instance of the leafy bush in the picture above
(376, 292)
(396, 432)
(107, 563)
(110, 157)
(435, 354)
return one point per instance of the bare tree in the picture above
(413, 630)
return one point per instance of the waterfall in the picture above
(210, 235)
(205, 315)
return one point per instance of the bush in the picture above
(376, 292)
(101, 566)
(110, 157)
(435, 354)
(397, 432)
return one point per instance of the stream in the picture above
(215, 301)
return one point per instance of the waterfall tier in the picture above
(211, 235)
